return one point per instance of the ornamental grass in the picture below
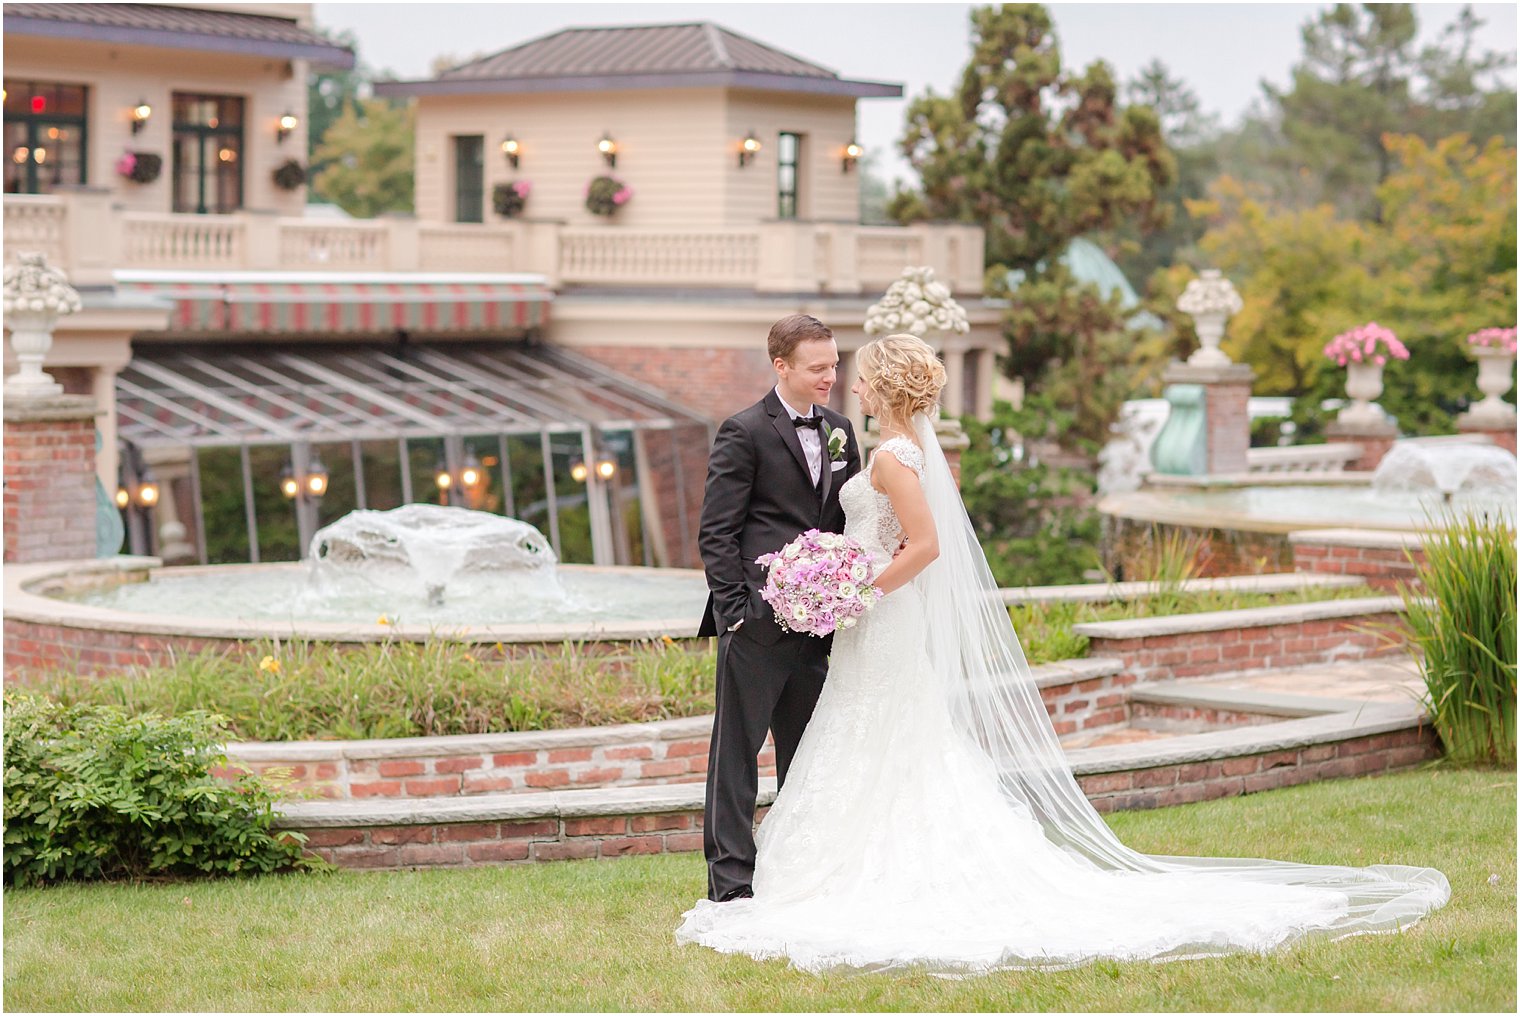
(1460, 614)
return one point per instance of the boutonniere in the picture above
(836, 444)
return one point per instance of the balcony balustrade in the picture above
(83, 233)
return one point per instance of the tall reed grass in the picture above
(1460, 614)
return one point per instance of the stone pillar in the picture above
(986, 374)
(49, 503)
(953, 441)
(171, 468)
(954, 396)
(1227, 392)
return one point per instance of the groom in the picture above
(775, 472)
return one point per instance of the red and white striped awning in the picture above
(333, 303)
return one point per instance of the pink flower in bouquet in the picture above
(1501, 338)
(1362, 343)
(819, 583)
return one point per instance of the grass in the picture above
(597, 935)
(302, 690)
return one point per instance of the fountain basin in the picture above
(51, 621)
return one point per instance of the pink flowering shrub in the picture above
(819, 583)
(1362, 345)
(1500, 338)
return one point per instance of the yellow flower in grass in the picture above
(382, 619)
(270, 665)
(468, 658)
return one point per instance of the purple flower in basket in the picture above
(819, 583)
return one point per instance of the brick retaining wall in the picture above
(1187, 782)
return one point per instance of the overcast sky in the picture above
(1223, 50)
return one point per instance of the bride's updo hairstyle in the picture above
(903, 375)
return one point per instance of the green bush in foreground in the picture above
(92, 792)
(1461, 619)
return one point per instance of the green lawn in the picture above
(597, 934)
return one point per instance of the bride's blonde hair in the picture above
(903, 373)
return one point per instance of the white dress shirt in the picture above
(812, 440)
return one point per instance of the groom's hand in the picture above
(900, 548)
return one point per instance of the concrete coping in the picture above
(1304, 478)
(1370, 539)
(1278, 582)
(1208, 695)
(555, 804)
(686, 728)
(1224, 620)
(1366, 720)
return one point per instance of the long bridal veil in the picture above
(979, 667)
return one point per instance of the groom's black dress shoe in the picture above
(744, 892)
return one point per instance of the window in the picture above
(469, 178)
(208, 153)
(788, 157)
(44, 136)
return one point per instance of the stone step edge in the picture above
(1251, 617)
(1211, 746)
(1202, 694)
(1046, 675)
(1273, 582)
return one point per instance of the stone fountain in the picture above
(426, 552)
(1450, 470)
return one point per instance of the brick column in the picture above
(50, 478)
(1227, 393)
(1374, 438)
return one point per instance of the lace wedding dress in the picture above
(921, 826)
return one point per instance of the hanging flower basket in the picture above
(140, 167)
(605, 195)
(509, 198)
(289, 175)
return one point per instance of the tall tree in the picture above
(1189, 133)
(1361, 77)
(367, 158)
(1038, 156)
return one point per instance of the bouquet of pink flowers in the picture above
(819, 583)
(1502, 338)
(1362, 343)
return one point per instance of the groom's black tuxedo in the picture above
(760, 495)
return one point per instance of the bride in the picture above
(930, 819)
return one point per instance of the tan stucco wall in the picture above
(119, 77)
(677, 149)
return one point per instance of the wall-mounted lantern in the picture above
(609, 149)
(748, 149)
(288, 124)
(852, 154)
(140, 114)
(512, 150)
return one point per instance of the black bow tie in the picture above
(816, 422)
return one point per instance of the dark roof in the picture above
(177, 28)
(638, 56)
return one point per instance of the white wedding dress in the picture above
(898, 842)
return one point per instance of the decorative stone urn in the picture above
(1209, 300)
(1496, 367)
(917, 305)
(36, 295)
(1364, 383)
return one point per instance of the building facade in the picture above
(223, 329)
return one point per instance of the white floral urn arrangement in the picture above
(1494, 349)
(36, 295)
(917, 305)
(1363, 351)
(1210, 300)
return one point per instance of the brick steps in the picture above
(615, 821)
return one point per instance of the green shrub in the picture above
(1461, 620)
(95, 792)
